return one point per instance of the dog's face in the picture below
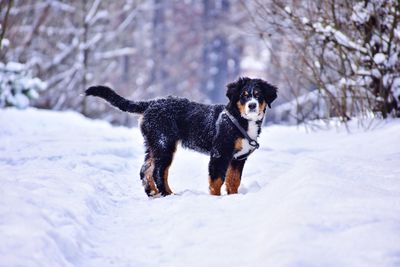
(251, 97)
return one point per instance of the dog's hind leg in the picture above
(161, 136)
(162, 162)
(146, 175)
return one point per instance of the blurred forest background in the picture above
(329, 58)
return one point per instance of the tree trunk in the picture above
(215, 50)
(158, 72)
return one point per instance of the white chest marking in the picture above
(253, 133)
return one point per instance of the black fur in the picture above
(116, 100)
(197, 126)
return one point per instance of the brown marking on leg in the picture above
(232, 180)
(152, 188)
(215, 186)
(167, 188)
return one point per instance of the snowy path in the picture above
(70, 195)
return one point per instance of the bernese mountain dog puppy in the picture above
(228, 133)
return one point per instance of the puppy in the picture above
(228, 133)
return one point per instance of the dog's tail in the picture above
(116, 100)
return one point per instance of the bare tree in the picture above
(4, 20)
(215, 54)
(142, 48)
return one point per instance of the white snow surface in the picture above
(70, 195)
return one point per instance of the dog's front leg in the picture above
(234, 176)
(217, 168)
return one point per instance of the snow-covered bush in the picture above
(17, 86)
(353, 53)
(349, 50)
(310, 106)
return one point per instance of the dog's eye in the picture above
(256, 94)
(246, 94)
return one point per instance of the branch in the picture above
(4, 26)
(92, 12)
(36, 26)
(115, 53)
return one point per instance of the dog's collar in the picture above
(252, 142)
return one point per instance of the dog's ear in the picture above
(234, 88)
(269, 91)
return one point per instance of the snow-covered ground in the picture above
(70, 195)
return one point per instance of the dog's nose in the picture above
(252, 106)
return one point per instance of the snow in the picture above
(361, 14)
(70, 195)
(379, 58)
(345, 41)
(14, 66)
(5, 43)
(305, 20)
(342, 39)
(90, 15)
